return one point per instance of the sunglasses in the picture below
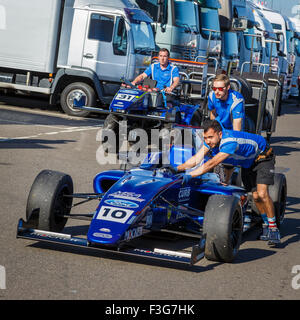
(219, 88)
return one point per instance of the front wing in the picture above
(26, 231)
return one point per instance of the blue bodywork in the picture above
(136, 200)
(139, 201)
(139, 102)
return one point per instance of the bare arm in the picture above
(212, 114)
(175, 83)
(194, 160)
(139, 78)
(210, 164)
(237, 124)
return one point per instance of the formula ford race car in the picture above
(143, 202)
(143, 106)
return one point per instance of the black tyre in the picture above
(197, 118)
(278, 193)
(249, 125)
(111, 123)
(73, 90)
(46, 199)
(223, 227)
(236, 178)
(246, 89)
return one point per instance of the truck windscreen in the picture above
(185, 15)
(230, 45)
(251, 41)
(269, 46)
(290, 42)
(209, 19)
(298, 47)
(143, 37)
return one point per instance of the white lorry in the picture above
(258, 48)
(286, 64)
(295, 88)
(62, 48)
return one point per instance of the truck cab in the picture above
(295, 89)
(258, 49)
(175, 25)
(209, 37)
(65, 48)
(109, 41)
(286, 57)
(233, 18)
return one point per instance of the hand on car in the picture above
(168, 90)
(186, 179)
(171, 168)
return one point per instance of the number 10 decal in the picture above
(114, 214)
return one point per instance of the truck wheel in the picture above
(73, 90)
(278, 193)
(223, 227)
(46, 199)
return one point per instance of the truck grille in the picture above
(186, 53)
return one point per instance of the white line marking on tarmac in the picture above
(69, 130)
(28, 123)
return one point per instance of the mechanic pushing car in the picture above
(253, 154)
(163, 72)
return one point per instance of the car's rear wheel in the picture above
(278, 193)
(47, 200)
(223, 227)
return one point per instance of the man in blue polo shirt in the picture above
(251, 152)
(226, 105)
(166, 74)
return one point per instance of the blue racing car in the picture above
(145, 201)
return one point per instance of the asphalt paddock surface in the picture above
(34, 136)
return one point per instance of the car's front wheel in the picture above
(47, 200)
(223, 228)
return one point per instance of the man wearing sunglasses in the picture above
(226, 105)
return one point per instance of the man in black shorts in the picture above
(249, 151)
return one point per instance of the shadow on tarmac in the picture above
(32, 143)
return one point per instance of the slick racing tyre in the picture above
(46, 199)
(278, 194)
(223, 227)
(111, 140)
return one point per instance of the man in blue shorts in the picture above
(252, 153)
(226, 105)
(166, 74)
